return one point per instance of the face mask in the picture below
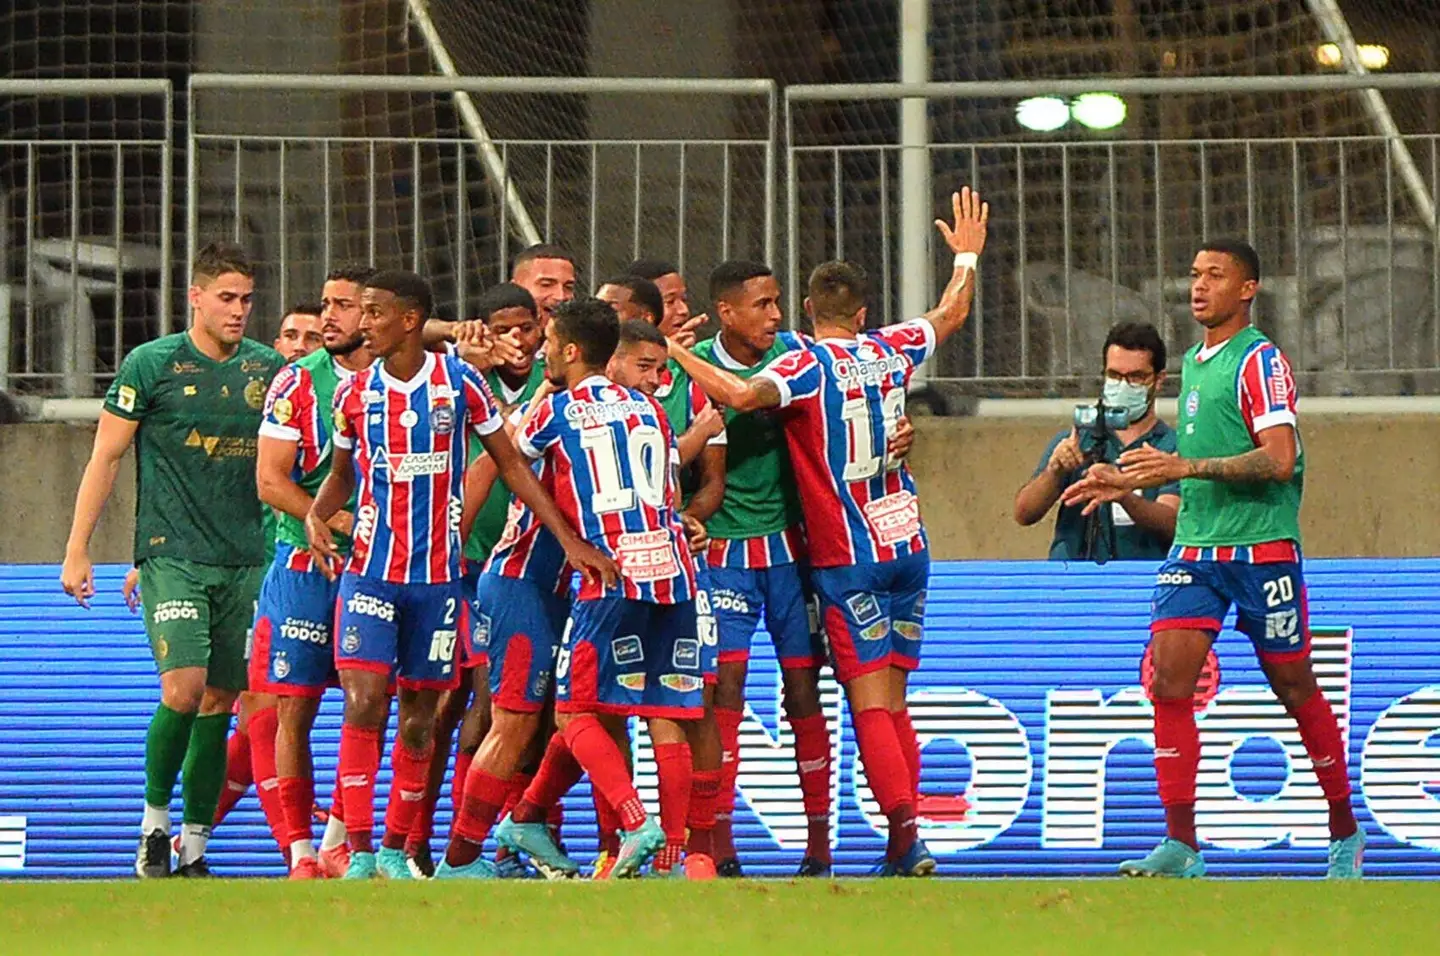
(1135, 399)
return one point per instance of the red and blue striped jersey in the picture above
(843, 398)
(409, 441)
(607, 458)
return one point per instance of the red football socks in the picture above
(297, 799)
(408, 786)
(909, 746)
(728, 722)
(704, 786)
(359, 762)
(888, 776)
(1320, 733)
(558, 772)
(485, 795)
(238, 773)
(264, 725)
(1177, 762)
(675, 768)
(607, 822)
(812, 755)
(457, 782)
(596, 752)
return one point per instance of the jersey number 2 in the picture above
(648, 461)
(866, 461)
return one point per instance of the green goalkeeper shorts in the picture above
(199, 615)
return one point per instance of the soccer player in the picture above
(191, 402)
(401, 425)
(632, 298)
(638, 363)
(292, 657)
(676, 321)
(1237, 542)
(512, 326)
(843, 394)
(608, 453)
(547, 272)
(756, 562)
(300, 331)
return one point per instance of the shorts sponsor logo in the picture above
(876, 631)
(910, 630)
(481, 637)
(863, 607)
(682, 683)
(686, 655)
(281, 666)
(920, 605)
(350, 642)
(311, 632)
(125, 398)
(627, 650)
(442, 419)
(1174, 577)
(370, 606)
(724, 599)
(1283, 626)
(631, 681)
(442, 646)
(417, 464)
(175, 611)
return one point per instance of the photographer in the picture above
(1130, 526)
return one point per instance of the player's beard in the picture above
(345, 348)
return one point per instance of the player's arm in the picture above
(514, 470)
(479, 480)
(274, 464)
(706, 499)
(966, 238)
(112, 437)
(726, 388)
(334, 492)
(709, 424)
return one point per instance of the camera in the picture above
(1094, 427)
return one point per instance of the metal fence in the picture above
(85, 237)
(457, 208)
(1089, 232)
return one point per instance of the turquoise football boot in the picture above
(534, 839)
(362, 867)
(1171, 859)
(479, 869)
(1347, 857)
(637, 847)
(393, 864)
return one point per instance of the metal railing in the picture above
(1089, 232)
(458, 210)
(85, 254)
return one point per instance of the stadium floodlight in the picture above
(1373, 56)
(1098, 110)
(1043, 114)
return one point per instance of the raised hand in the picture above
(972, 218)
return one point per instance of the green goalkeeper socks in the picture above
(165, 744)
(204, 773)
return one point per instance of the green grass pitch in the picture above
(993, 917)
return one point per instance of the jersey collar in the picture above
(593, 381)
(427, 368)
(1204, 354)
(726, 359)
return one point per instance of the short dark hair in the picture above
(540, 250)
(506, 295)
(640, 332)
(350, 272)
(837, 290)
(642, 291)
(215, 259)
(592, 325)
(652, 269)
(1239, 250)
(734, 273)
(1137, 337)
(305, 308)
(408, 287)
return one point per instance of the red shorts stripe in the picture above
(1186, 624)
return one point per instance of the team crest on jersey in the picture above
(442, 419)
(481, 638)
(627, 650)
(255, 393)
(864, 607)
(1192, 403)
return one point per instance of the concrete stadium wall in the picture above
(1366, 493)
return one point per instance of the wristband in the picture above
(967, 260)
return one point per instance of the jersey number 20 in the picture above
(866, 461)
(648, 461)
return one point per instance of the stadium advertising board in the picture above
(1030, 703)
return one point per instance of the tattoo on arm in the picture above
(1252, 466)
(765, 391)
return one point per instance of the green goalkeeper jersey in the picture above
(490, 520)
(1228, 395)
(760, 494)
(195, 448)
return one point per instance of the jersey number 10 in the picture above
(866, 461)
(648, 461)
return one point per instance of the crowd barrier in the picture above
(1036, 734)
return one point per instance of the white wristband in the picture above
(967, 260)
